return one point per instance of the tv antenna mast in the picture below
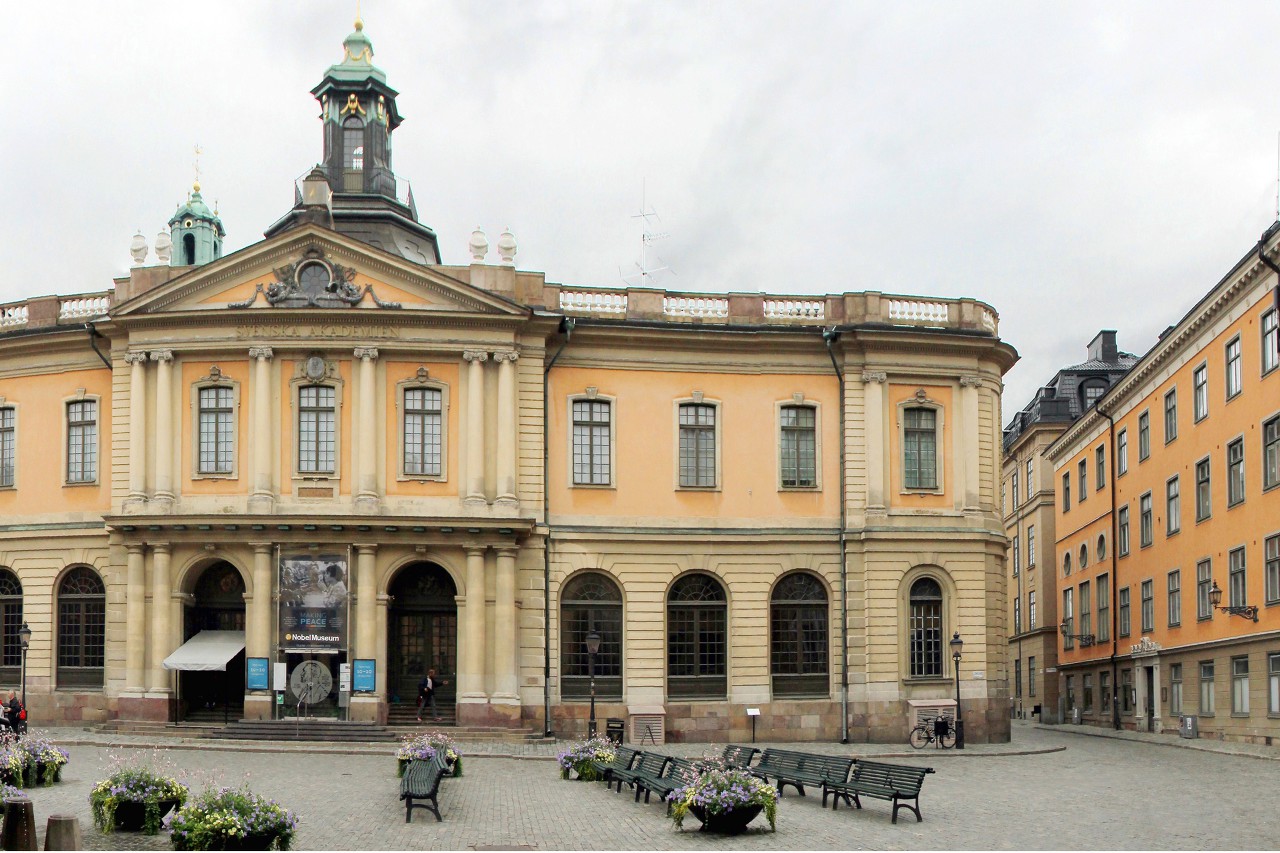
(643, 275)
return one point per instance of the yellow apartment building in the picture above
(1168, 526)
(331, 454)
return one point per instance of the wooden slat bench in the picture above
(679, 772)
(801, 768)
(623, 758)
(896, 782)
(648, 764)
(422, 782)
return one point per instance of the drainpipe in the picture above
(93, 342)
(566, 326)
(1115, 580)
(829, 337)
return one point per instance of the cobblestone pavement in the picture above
(1063, 791)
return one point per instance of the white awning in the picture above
(207, 651)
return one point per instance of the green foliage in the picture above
(135, 785)
(223, 818)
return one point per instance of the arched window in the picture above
(10, 623)
(590, 602)
(189, 249)
(1101, 551)
(925, 627)
(82, 616)
(697, 638)
(353, 144)
(798, 637)
(1084, 555)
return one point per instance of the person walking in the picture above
(427, 695)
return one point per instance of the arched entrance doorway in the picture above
(217, 604)
(422, 628)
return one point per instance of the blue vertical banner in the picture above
(364, 675)
(255, 673)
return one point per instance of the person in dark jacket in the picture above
(16, 713)
(427, 695)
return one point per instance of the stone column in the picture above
(475, 426)
(262, 498)
(366, 599)
(366, 431)
(260, 642)
(873, 388)
(968, 444)
(507, 426)
(471, 679)
(137, 427)
(165, 426)
(135, 608)
(161, 604)
(504, 629)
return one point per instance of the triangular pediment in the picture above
(315, 269)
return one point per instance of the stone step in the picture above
(304, 729)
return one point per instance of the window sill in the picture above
(79, 485)
(932, 679)
(799, 488)
(231, 477)
(595, 487)
(421, 478)
(697, 488)
(1236, 715)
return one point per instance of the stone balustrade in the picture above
(51, 310)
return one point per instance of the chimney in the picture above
(1103, 347)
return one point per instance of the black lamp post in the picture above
(957, 645)
(593, 646)
(24, 634)
(1248, 611)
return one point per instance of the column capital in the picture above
(475, 550)
(261, 547)
(506, 550)
(162, 355)
(160, 548)
(510, 355)
(260, 352)
(870, 376)
(134, 357)
(366, 549)
(366, 352)
(970, 381)
(136, 547)
(475, 356)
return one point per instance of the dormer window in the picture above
(1093, 391)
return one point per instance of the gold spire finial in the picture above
(196, 185)
(359, 22)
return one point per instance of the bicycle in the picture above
(940, 731)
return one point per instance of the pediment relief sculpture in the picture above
(314, 281)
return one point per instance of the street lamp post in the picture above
(593, 646)
(24, 634)
(1248, 611)
(957, 645)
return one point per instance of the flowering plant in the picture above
(582, 758)
(224, 818)
(441, 741)
(718, 790)
(424, 747)
(139, 784)
(32, 761)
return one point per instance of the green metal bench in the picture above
(422, 782)
(739, 756)
(801, 768)
(623, 758)
(896, 782)
(649, 764)
(679, 772)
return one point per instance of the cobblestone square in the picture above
(1049, 789)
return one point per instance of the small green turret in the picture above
(196, 231)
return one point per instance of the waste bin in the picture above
(1189, 726)
(614, 728)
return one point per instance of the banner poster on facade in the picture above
(313, 601)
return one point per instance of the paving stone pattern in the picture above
(1049, 789)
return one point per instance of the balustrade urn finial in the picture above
(507, 248)
(164, 247)
(138, 249)
(479, 246)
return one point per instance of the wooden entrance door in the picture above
(423, 627)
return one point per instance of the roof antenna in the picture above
(1278, 176)
(648, 237)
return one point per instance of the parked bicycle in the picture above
(940, 731)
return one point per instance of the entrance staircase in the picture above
(305, 729)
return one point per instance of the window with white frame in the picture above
(1122, 452)
(1017, 615)
(1170, 415)
(1172, 507)
(1031, 609)
(1104, 689)
(1204, 578)
(1235, 472)
(1206, 688)
(1273, 688)
(1175, 689)
(1240, 685)
(1031, 675)
(799, 447)
(1017, 554)
(1100, 466)
(1086, 609)
(1123, 527)
(424, 432)
(1148, 606)
(1082, 480)
(1014, 489)
(1103, 593)
(697, 445)
(1145, 523)
(920, 448)
(1030, 477)
(592, 442)
(1031, 545)
(925, 637)
(1126, 691)
(1271, 555)
(1066, 491)
(1068, 617)
(1123, 617)
(1236, 578)
(1204, 491)
(1234, 376)
(1270, 342)
(1200, 397)
(317, 409)
(1175, 598)
(216, 425)
(1271, 453)
(1144, 436)
(8, 445)
(82, 441)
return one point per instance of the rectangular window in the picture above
(1014, 489)
(1144, 436)
(1273, 688)
(1031, 545)
(1031, 675)
(1271, 568)
(316, 410)
(1088, 693)
(920, 449)
(799, 447)
(1123, 525)
(697, 445)
(1082, 480)
(1204, 493)
(1031, 607)
(7, 445)
(1206, 688)
(1017, 616)
(1017, 555)
(1204, 577)
(1030, 477)
(1172, 508)
(1066, 491)
(1017, 678)
(1233, 367)
(1086, 609)
(1148, 606)
(1071, 692)
(1270, 342)
(1123, 628)
(1235, 472)
(1126, 691)
(1175, 598)
(1171, 415)
(1100, 466)
(1122, 452)
(423, 433)
(1175, 689)
(1104, 608)
(1068, 613)
(1200, 401)
(1236, 577)
(82, 441)
(1144, 511)
(1271, 453)
(1240, 685)
(217, 430)
(1104, 690)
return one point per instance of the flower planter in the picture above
(131, 816)
(257, 841)
(732, 822)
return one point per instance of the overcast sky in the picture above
(1076, 165)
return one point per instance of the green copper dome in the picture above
(196, 209)
(357, 60)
